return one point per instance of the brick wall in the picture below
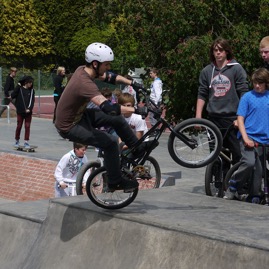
(24, 178)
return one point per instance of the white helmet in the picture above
(99, 52)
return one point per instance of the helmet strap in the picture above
(96, 68)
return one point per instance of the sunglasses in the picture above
(218, 49)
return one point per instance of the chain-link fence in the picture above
(43, 81)
(43, 85)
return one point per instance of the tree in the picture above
(24, 36)
(172, 35)
(175, 37)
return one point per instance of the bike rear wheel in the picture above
(207, 138)
(83, 175)
(97, 191)
(214, 179)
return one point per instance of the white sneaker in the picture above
(229, 195)
(17, 144)
(26, 145)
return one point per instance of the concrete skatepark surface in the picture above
(170, 227)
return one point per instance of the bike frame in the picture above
(164, 125)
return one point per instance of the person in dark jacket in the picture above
(8, 89)
(25, 99)
(59, 84)
(221, 85)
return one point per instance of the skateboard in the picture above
(22, 148)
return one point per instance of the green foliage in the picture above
(63, 19)
(172, 35)
(86, 36)
(25, 37)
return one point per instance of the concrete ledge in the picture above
(164, 228)
(70, 234)
(167, 180)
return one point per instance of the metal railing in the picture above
(8, 112)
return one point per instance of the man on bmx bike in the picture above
(78, 123)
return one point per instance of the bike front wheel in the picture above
(205, 137)
(84, 174)
(97, 191)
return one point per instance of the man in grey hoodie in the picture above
(221, 84)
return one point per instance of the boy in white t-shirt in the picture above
(67, 170)
(137, 124)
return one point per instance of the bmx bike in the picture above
(192, 143)
(151, 167)
(245, 195)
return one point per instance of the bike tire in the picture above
(88, 167)
(214, 180)
(153, 169)
(229, 175)
(207, 137)
(97, 192)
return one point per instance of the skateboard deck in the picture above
(22, 148)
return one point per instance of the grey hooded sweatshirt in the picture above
(222, 88)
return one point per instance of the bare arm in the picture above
(99, 99)
(121, 79)
(139, 134)
(242, 129)
(199, 108)
(118, 79)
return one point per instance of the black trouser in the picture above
(56, 100)
(85, 132)
(230, 141)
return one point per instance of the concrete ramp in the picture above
(162, 229)
(16, 241)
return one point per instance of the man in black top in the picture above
(8, 89)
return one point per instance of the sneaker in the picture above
(17, 144)
(230, 193)
(26, 145)
(256, 200)
(124, 184)
(242, 197)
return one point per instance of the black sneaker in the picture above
(140, 151)
(124, 184)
